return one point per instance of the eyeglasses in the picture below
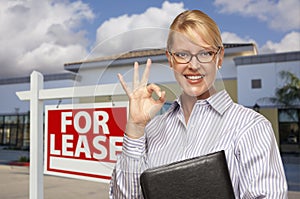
(204, 56)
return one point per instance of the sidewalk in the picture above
(291, 163)
(14, 181)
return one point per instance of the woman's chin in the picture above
(199, 94)
(192, 93)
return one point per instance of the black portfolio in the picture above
(201, 177)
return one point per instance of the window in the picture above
(288, 115)
(14, 130)
(256, 83)
(289, 124)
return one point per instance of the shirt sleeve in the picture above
(125, 181)
(261, 169)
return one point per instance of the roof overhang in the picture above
(156, 55)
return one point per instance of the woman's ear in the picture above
(169, 57)
(221, 57)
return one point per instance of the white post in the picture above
(36, 181)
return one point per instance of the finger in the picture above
(157, 106)
(136, 75)
(124, 85)
(145, 77)
(154, 88)
(162, 98)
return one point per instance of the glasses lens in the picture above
(182, 57)
(205, 56)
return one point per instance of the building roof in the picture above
(267, 58)
(230, 48)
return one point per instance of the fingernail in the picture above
(159, 94)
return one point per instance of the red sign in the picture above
(82, 141)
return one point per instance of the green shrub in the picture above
(23, 159)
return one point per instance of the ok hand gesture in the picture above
(142, 106)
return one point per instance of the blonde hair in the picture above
(195, 21)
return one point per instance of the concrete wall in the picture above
(270, 79)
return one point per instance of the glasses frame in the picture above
(195, 55)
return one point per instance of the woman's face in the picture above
(195, 78)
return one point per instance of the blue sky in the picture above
(43, 35)
(244, 26)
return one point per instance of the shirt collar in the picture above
(220, 102)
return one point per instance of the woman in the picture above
(201, 121)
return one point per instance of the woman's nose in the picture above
(194, 64)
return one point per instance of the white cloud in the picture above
(229, 37)
(146, 30)
(41, 35)
(286, 16)
(291, 42)
(49, 57)
(280, 15)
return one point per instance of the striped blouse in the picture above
(215, 124)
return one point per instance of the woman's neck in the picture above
(188, 102)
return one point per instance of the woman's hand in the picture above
(142, 106)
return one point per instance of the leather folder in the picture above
(200, 177)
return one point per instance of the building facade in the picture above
(246, 76)
(258, 78)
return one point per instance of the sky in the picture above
(44, 35)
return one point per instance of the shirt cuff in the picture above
(133, 148)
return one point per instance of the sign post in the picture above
(36, 180)
(36, 95)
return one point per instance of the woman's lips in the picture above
(194, 78)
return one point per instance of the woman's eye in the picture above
(206, 53)
(181, 54)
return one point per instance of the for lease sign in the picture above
(83, 140)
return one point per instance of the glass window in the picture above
(288, 115)
(1, 120)
(6, 136)
(1, 135)
(10, 119)
(14, 130)
(26, 118)
(289, 130)
(256, 83)
(13, 135)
